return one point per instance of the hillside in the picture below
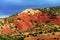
(32, 24)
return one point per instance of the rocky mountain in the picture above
(32, 24)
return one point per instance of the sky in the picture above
(10, 7)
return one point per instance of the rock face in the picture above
(32, 24)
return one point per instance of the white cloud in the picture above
(3, 16)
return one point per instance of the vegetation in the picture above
(51, 10)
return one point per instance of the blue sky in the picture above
(9, 7)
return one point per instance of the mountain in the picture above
(32, 24)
